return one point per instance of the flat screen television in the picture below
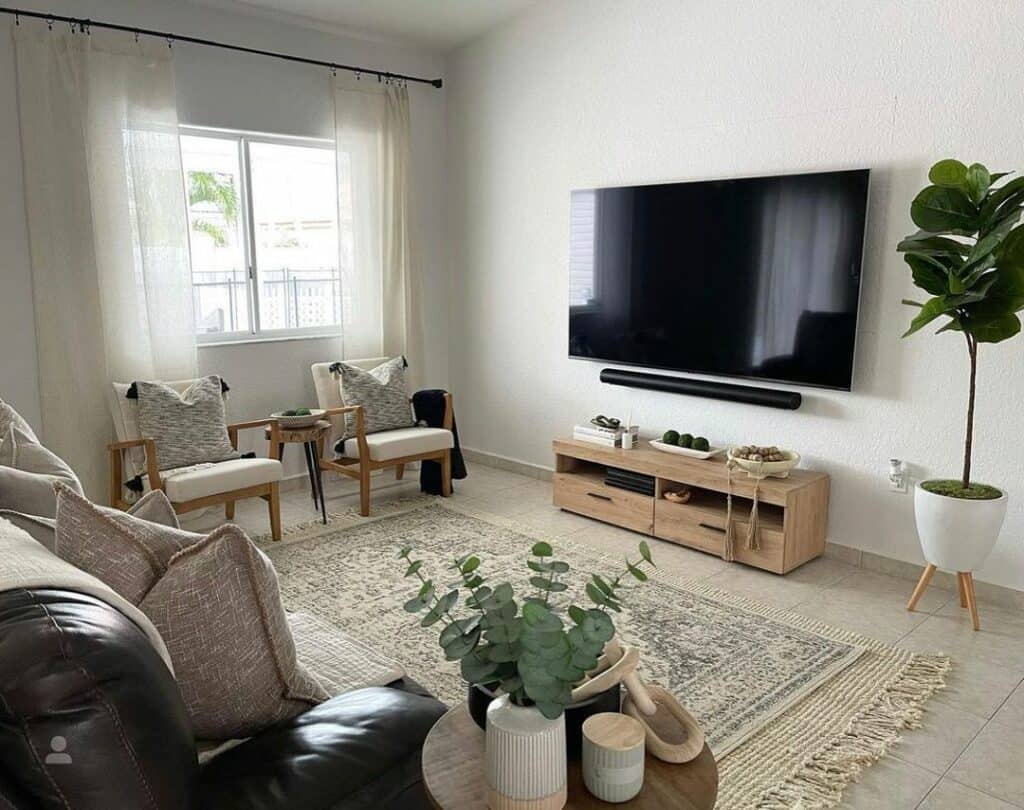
(756, 277)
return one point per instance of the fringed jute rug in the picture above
(793, 709)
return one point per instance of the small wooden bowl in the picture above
(673, 734)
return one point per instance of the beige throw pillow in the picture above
(381, 391)
(218, 609)
(28, 470)
(122, 549)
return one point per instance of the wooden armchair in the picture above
(363, 453)
(198, 487)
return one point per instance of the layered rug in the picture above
(793, 709)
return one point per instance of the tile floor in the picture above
(970, 753)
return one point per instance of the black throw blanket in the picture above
(429, 409)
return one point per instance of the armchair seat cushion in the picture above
(390, 444)
(198, 481)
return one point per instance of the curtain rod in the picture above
(84, 24)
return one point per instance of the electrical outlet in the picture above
(897, 476)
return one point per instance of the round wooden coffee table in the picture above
(453, 772)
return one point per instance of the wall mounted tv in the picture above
(756, 278)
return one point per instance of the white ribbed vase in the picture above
(525, 758)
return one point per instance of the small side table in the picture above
(312, 440)
(453, 774)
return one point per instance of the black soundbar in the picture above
(768, 397)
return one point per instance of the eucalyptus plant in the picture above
(969, 256)
(525, 647)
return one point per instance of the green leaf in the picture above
(447, 602)
(413, 568)
(940, 209)
(577, 614)
(595, 594)
(474, 582)
(559, 567)
(558, 587)
(540, 567)
(606, 589)
(539, 617)
(461, 646)
(501, 653)
(598, 626)
(1011, 249)
(994, 330)
(405, 552)
(542, 549)
(926, 275)
(552, 711)
(931, 310)
(949, 173)
(540, 582)
(477, 668)
(645, 552)
(433, 617)
(476, 600)
(977, 182)
(505, 633)
(1006, 194)
(938, 246)
(470, 565)
(636, 572)
(416, 604)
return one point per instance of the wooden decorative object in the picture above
(673, 734)
(965, 587)
(453, 773)
(792, 511)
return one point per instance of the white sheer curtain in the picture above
(380, 287)
(107, 227)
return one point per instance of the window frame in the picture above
(255, 334)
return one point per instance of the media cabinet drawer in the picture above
(705, 530)
(691, 527)
(588, 495)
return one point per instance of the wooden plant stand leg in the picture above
(961, 586)
(967, 578)
(399, 471)
(229, 510)
(922, 585)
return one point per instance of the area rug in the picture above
(793, 709)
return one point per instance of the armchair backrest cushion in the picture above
(328, 392)
(125, 412)
(189, 427)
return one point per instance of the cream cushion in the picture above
(189, 483)
(328, 392)
(413, 441)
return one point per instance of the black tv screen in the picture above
(755, 278)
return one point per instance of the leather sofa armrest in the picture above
(358, 750)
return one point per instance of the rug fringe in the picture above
(819, 782)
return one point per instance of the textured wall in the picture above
(585, 93)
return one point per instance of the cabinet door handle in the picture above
(713, 528)
(599, 497)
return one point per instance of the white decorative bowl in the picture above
(762, 469)
(685, 451)
(297, 422)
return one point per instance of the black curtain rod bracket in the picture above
(84, 24)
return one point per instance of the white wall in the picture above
(238, 91)
(588, 92)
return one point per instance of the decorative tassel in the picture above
(730, 533)
(753, 529)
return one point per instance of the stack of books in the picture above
(598, 435)
(633, 481)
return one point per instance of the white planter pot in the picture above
(524, 756)
(957, 534)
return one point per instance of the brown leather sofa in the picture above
(91, 719)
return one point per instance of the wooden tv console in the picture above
(793, 511)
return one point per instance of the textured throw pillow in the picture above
(219, 611)
(382, 393)
(153, 507)
(126, 552)
(188, 428)
(28, 470)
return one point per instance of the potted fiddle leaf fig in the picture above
(969, 257)
(528, 653)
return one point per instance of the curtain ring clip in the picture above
(49, 23)
(170, 41)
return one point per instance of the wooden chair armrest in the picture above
(116, 450)
(360, 414)
(266, 422)
(252, 423)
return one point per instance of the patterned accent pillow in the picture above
(188, 428)
(129, 551)
(382, 393)
(218, 609)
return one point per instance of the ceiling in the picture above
(437, 24)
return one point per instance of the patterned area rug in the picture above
(792, 709)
